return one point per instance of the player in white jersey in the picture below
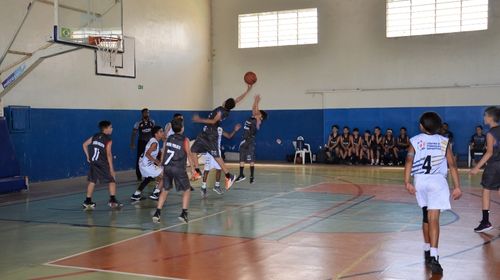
(149, 164)
(168, 127)
(211, 163)
(429, 157)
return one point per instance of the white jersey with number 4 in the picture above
(145, 161)
(430, 155)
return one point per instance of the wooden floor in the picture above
(295, 222)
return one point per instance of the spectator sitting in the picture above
(390, 153)
(356, 146)
(478, 142)
(366, 148)
(345, 145)
(333, 146)
(377, 145)
(403, 142)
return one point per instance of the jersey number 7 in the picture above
(170, 156)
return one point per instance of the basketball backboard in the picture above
(78, 22)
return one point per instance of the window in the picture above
(283, 28)
(422, 17)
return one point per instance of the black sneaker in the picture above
(427, 257)
(435, 266)
(230, 181)
(483, 227)
(218, 190)
(155, 195)
(136, 197)
(240, 178)
(184, 217)
(203, 192)
(88, 205)
(114, 204)
(156, 217)
(252, 180)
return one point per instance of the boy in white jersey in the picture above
(149, 164)
(428, 159)
(168, 127)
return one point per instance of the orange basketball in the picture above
(250, 78)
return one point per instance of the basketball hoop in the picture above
(107, 47)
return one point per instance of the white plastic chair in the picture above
(302, 153)
(471, 157)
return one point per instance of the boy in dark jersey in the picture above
(477, 142)
(366, 148)
(356, 146)
(208, 140)
(97, 149)
(345, 144)
(403, 143)
(377, 144)
(143, 129)
(247, 145)
(390, 153)
(333, 146)
(491, 175)
(175, 153)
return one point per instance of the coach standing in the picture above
(144, 128)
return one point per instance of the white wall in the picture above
(353, 52)
(173, 52)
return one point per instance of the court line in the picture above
(62, 275)
(70, 224)
(358, 261)
(176, 225)
(115, 272)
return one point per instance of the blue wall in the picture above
(461, 120)
(52, 149)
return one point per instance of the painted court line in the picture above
(173, 226)
(113, 271)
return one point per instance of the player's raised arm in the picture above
(85, 147)
(452, 165)
(256, 110)
(408, 166)
(242, 96)
(198, 119)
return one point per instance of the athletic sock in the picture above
(217, 184)
(427, 246)
(158, 211)
(88, 199)
(486, 216)
(434, 252)
(241, 170)
(112, 198)
(184, 211)
(204, 185)
(252, 171)
(137, 193)
(144, 183)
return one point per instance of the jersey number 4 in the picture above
(427, 165)
(170, 155)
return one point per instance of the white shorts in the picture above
(210, 163)
(432, 191)
(150, 170)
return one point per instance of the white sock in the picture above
(137, 193)
(434, 252)
(427, 246)
(156, 190)
(204, 185)
(217, 184)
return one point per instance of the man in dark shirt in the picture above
(478, 142)
(143, 128)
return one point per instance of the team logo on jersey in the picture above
(421, 144)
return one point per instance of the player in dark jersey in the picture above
(97, 149)
(175, 153)
(402, 145)
(208, 140)
(377, 144)
(356, 145)
(491, 175)
(477, 142)
(143, 128)
(345, 144)
(333, 146)
(247, 145)
(366, 148)
(390, 152)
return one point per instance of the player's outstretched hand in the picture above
(410, 188)
(456, 194)
(474, 171)
(237, 127)
(196, 118)
(249, 87)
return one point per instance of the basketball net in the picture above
(107, 48)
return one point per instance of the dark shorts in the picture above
(247, 151)
(207, 143)
(100, 174)
(177, 176)
(491, 176)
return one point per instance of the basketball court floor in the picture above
(296, 222)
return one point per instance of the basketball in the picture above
(250, 78)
